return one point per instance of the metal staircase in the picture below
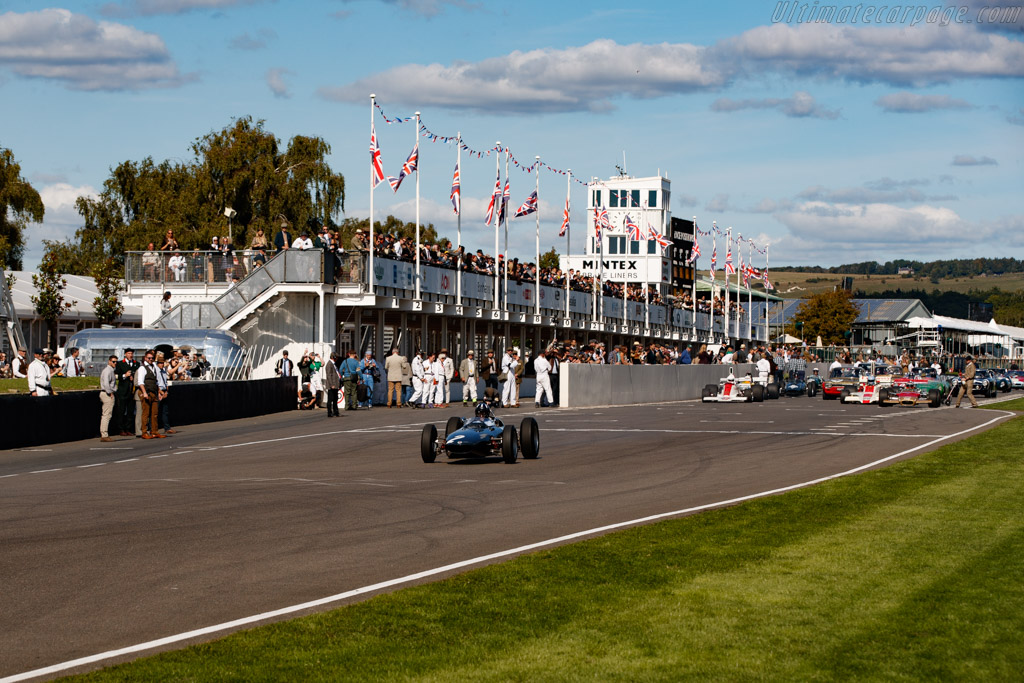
(13, 337)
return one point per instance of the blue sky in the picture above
(836, 141)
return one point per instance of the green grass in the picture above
(909, 573)
(1013, 404)
(59, 384)
(805, 284)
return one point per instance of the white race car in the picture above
(874, 377)
(744, 389)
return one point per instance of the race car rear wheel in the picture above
(710, 390)
(529, 438)
(757, 391)
(428, 443)
(509, 444)
(773, 391)
(883, 398)
(454, 425)
(810, 390)
(934, 398)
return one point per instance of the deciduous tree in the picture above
(20, 204)
(829, 314)
(109, 285)
(49, 301)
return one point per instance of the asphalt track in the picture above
(109, 546)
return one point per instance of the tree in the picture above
(243, 167)
(391, 226)
(20, 204)
(549, 259)
(109, 285)
(829, 314)
(49, 302)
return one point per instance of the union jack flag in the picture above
(506, 194)
(730, 269)
(714, 258)
(634, 230)
(456, 190)
(494, 200)
(408, 168)
(695, 253)
(565, 219)
(767, 283)
(653, 234)
(528, 207)
(376, 165)
(754, 272)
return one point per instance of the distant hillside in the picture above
(929, 269)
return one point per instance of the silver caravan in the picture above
(222, 349)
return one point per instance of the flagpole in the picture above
(765, 283)
(714, 278)
(503, 207)
(750, 294)
(739, 246)
(728, 249)
(536, 291)
(417, 209)
(458, 221)
(693, 282)
(647, 268)
(369, 280)
(565, 273)
(496, 246)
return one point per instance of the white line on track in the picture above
(747, 422)
(114, 448)
(743, 431)
(125, 460)
(391, 583)
(55, 469)
(95, 464)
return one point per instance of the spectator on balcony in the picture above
(195, 262)
(259, 259)
(303, 242)
(170, 244)
(151, 263)
(283, 239)
(177, 266)
(165, 304)
(259, 240)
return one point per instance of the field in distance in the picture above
(794, 285)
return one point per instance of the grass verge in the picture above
(59, 384)
(907, 573)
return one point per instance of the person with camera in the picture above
(349, 371)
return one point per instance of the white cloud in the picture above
(682, 199)
(969, 160)
(591, 77)
(718, 204)
(262, 38)
(800, 105)
(87, 55)
(154, 7)
(275, 80)
(911, 103)
(60, 221)
(583, 78)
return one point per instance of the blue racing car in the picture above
(481, 436)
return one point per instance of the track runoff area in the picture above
(117, 552)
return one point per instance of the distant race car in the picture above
(744, 389)
(1002, 380)
(873, 377)
(985, 383)
(848, 379)
(800, 386)
(1016, 379)
(923, 385)
(482, 435)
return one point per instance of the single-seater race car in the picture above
(799, 386)
(923, 385)
(873, 378)
(744, 389)
(481, 436)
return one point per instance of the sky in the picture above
(831, 133)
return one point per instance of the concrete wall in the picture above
(602, 385)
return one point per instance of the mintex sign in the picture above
(651, 269)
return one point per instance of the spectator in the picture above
(178, 266)
(283, 239)
(449, 373)
(332, 380)
(124, 403)
(437, 381)
(284, 367)
(684, 357)
(165, 303)
(303, 243)
(371, 374)
(542, 368)
(509, 363)
(349, 371)
(19, 366)
(393, 369)
(170, 244)
(149, 394)
(419, 378)
(469, 373)
(406, 381)
(259, 240)
(72, 365)
(163, 387)
(39, 375)
(108, 387)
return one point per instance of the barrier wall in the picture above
(72, 416)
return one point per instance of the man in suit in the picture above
(393, 368)
(283, 239)
(968, 383)
(469, 372)
(333, 382)
(124, 400)
(285, 367)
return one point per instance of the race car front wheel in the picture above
(934, 398)
(757, 392)
(773, 391)
(454, 425)
(883, 398)
(509, 444)
(428, 443)
(529, 438)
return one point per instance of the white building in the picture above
(646, 202)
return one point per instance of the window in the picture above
(597, 197)
(613, 247)
(634, 197)
(613, 199)
(634, 247)
(652, 198)
(652, 247)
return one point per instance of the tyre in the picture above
(773, 391)
(991, 393)
(529, 438)
(843, 395)
(454, 425)
(1006, 388)
(934, 398)
(883, 398)
(710, 390)
(757, 391)
(428, 443)
(810, 391)
(509, 444)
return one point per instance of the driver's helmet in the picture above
(482, 410)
